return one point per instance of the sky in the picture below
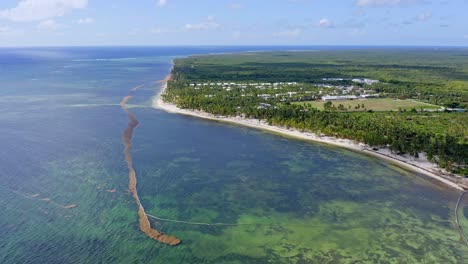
(233, 22)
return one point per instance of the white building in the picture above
(369, 95)
(366, 81)
(263, 106)
(264, 96)
(338, 97)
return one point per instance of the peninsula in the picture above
(399, 108)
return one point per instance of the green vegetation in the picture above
(384, 104)
(438, 76)
(429, 76)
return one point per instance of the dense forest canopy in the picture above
(436, 76)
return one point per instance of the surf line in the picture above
(144, 223)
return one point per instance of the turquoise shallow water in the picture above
(297, 202)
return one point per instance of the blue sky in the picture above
(233, 22)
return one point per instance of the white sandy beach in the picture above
(420, 165)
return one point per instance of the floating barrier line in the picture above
(457, 221)
(194, 223)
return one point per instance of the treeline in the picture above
(453, 94)
(442, 136)
(379, 130)
(437, 77)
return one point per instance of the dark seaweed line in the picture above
(127, 136)
(460, 230)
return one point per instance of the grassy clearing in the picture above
(381, 104)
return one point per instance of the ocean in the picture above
(64, 180)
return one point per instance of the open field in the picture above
(380, 104)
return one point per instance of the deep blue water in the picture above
(61, 126)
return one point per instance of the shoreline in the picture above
(418, 165)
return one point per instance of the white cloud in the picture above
(353, 23)
(103, 35)
(325, 23)
(162, 2)
(85, 21)
(424, 16)
(33, 10)
(159, 30)
(382, 3)
(49, 25)
(135, 31)
(235, 6)
(7, 32)
(289, 33)
(359, 12)
(209, 24)
(357, 32)
(4, 29)
(236, 35)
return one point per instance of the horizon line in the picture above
(242, 45)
